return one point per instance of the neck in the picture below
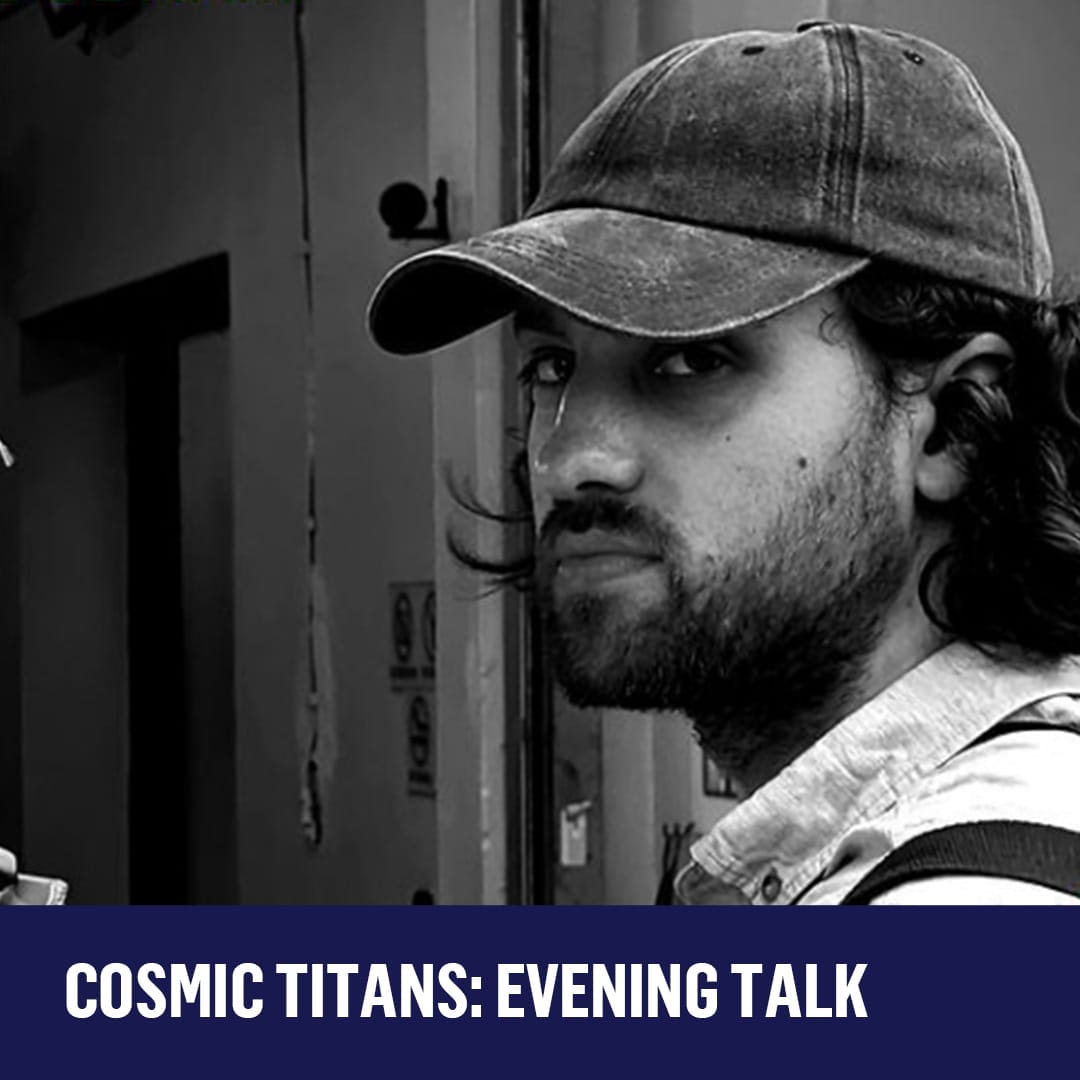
(755, 745)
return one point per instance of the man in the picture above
(803, 459)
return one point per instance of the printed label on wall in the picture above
(411, 621)
(420, 730)
(412, 634)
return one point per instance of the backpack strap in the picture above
(1011, 727)
(1023, 850)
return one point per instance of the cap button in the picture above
(770, 887)
(809, 24)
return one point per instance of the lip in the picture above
(592, 559)
(594, 544)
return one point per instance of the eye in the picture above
(547, 367)
(690, 360)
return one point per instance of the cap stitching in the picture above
(832, 148)
(856, 129)
(626, 111)
(537, 250)
(845, 131)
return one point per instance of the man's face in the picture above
(720, 525)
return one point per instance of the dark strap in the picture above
(1022, 850)
(1011, 727)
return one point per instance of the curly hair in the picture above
(1008, 580)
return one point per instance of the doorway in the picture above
(126, 720)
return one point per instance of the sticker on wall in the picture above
(427, 634)
(412, 631)
(574, 834)
(412, 634)
(420, 733)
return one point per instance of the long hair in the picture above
(1008, 580)
(517, 569)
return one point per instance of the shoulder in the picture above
(1028, 773)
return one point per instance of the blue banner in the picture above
(519, 992)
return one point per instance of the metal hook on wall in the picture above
(403, 206)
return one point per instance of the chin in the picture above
(606, 686)
(619, 600)
(605, 655)
(598, 631)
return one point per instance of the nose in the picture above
(588, 444)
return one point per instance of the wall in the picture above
(181, 139)
(368, 129)
(74, 708)
(472, 143)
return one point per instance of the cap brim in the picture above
(621, 271)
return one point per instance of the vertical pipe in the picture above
(538, 825)
(531, 67)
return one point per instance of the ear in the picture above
(939, 471)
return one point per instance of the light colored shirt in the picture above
(899, 766)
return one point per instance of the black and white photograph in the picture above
(540, 453)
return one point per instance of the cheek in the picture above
(900, 460)
(717, 497)
(726, 495)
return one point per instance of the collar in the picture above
(780, 839)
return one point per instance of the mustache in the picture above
(605, 514)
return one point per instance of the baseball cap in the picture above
(735, 176)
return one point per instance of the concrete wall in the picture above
(368, 129)
(182, 139)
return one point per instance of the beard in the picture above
(761, 649)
